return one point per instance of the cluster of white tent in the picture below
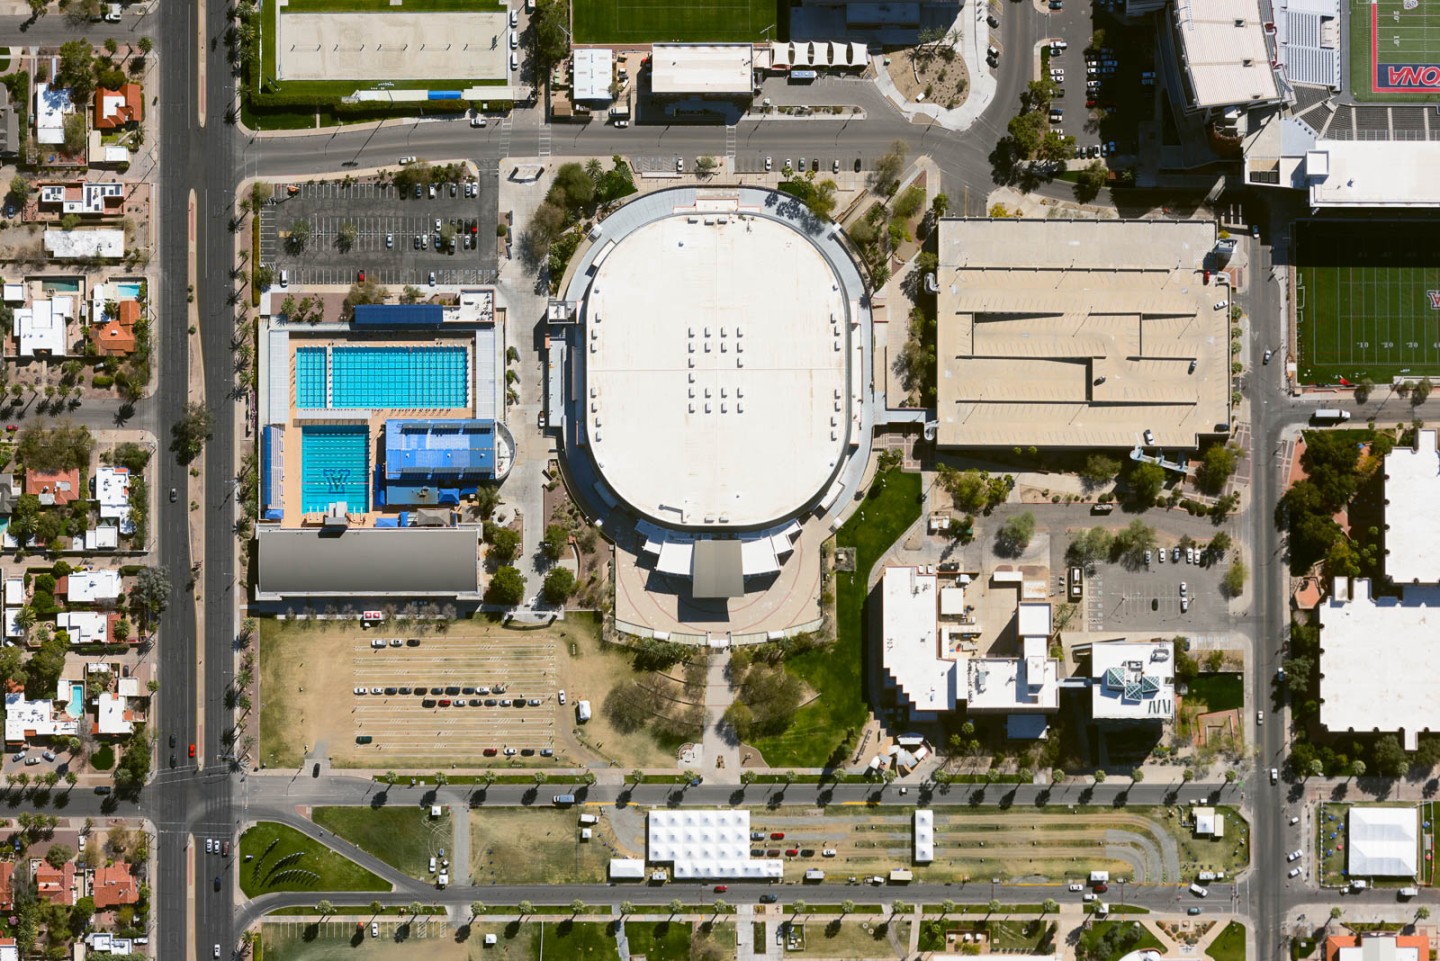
(761, 552)
(819, 53)
(708, 844)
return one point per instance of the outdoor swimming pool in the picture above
(334, 466)
(384, 378)
(76, 705)
(127, 290)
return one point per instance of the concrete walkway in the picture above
(971, 34)
(720, 746)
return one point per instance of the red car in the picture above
(491, 752)
(777, 835)
(721, 888)
(362, 276)
(444, 702)
(1101, 888)
(791, 852)
(192, 750)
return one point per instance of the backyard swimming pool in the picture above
(76, 705)
(381, 378)
(334, 466)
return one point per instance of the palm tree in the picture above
(477, 908)
(539, 777)
(525, 907)
(593, 169)
(799, 906)
(994, 906)
(146, 44)
(947, 907)
(721, 906)
(848, 907)
(638, 776)
(627, 907)
(441, 779)
(324, 909)
(577, 906)
(1422, 913)
(376, 907)
(1050, 906)
(676, 906)
(415, 908)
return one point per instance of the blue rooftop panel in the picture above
(444, 453)
(399, 315)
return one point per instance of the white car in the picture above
(359, 690)
(112, 15)
(1294, 855)
(1295, 819)
(1147, 558)
(562, 697)
(767, 165)
(209, 845)
(215, 953)
(1259, 717)
(1294, 873)
(406, 160)
(1184, 589)
(478, 120)
(374, 929)
(1076, 886)
(514, 18)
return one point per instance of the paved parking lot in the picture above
(1117, 599)
(379, 211)
(403, 726)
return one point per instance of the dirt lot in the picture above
(536, 662)
(541, 847)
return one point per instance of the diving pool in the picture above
(382, 378)
(334, 466)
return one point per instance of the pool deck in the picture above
(291, 493)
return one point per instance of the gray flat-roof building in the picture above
(368, 562)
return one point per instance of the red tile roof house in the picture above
(116, 337)
(58, 487)
(7, 895)
(114, 885)
(56, 885)
(117, 108)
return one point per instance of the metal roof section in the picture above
(368, 562)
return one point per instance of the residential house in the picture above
(8, 493)
(113, 886)
(52, 106)
(84, 627)
(9, 125)
(55, 488)
(85, 244)
(41, 327)
(112, 491)
(90, 587)
(113, 716)
(7, 896)
(102, 537)
(56, 885)
(9, 951)
(115, 336)
(29, 719)
(82, 197)
(118, 108)
(1380, 946)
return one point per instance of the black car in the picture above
(527, 752)
(172, 760)
(491, 702)
(217, 882)
(768, 899)
(437, 690)
(413, 642)
(405, 690)
(392, 690)
(427, 703)
(452, 690)
(467, 690)
(103, 789)
(172, 740)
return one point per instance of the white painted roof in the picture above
(707, 844)
(1132, 680)
(1412, 483)
(110, 714)
(593, 71)
(700, 68)
(910, 648)
(38, 718)
(73, 244)
(112, 491)
(93, 586)
(924, 836)
(1380, 661)
(1384, 842)
(1362, 173)
(716, 357)
(41, 327)
(1224, 52)
(84, 627)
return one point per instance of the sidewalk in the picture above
(970, 44)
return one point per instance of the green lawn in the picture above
(659, 940)
(286, 860)
(405, 838)
(1362, 305)
(891, 506)
(568, 941)
(406, 6)
(661, 21)
(1220, 692)
(1418, 33)
(1230, 944)
(1109, 940)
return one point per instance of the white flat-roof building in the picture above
(1208, 823)
(592, 73)
(15, 591)
(86, 197)
(627, 869)
(12, 622)
(102, 537)
(52, 106)
(1380, 660)
(1005, 685)
(112, 714)
(83, 244)
(1384, 842)
(924, 835)
(26, 719)
(112, 492)
(1070, 333)
(1132, 681)
(1412, 531)
(699, 69)
(93, 586)
(911, 642)
(707, 844)
(41, 328)
(1224, 55)
(84, 627)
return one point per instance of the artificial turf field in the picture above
(672, 21)
(1367, 299)
(1395, 49)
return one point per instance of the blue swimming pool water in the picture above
(311, 374)
(76, 706)
(402, 378)
(334, 466)
(127, 290)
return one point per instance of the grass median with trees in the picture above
(283, 859)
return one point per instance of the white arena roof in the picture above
(707, 844)
(716, 370)
(1380, 661)
(701, 68)
(1384, 842)
(1412, 536)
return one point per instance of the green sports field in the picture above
(1363, 299)
(1392, 32)
(673, 21)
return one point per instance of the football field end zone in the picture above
(1373, 315)
(390, 45)
(1414, 74)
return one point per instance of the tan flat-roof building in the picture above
(1080, 333)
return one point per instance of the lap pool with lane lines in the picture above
(382, 378)
(334, 466)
